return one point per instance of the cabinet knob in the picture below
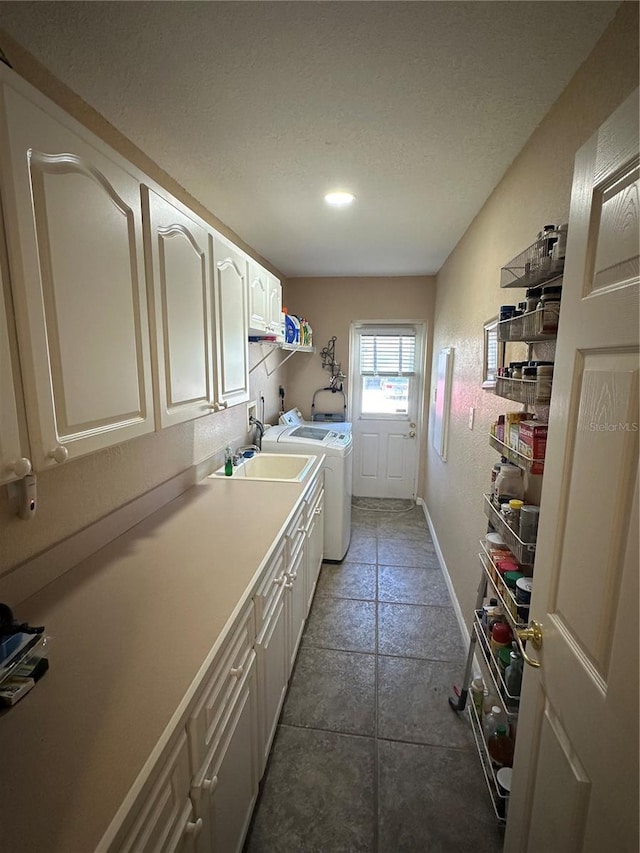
(209, 785)
(213, 407)
(59, 454)
(193, 828)
(278, 581)
(289, 585)
(300, 530)
(236, 671)
(318, 510)
(293, 575)
(21, 467)
(223, 405)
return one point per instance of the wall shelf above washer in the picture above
(277, 345)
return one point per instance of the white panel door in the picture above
(274, 296)
(232, 348)
(258, 299)
(74, 238)
(385, 417)
(575, 782)
(177, 247)
(14, 453)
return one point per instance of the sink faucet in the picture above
(237, 456)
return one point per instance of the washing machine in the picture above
(294, 418)
(337, 447)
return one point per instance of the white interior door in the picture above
(575, 782)
(386, 388)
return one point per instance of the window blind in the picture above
(387, 354)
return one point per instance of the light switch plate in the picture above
(472, 413)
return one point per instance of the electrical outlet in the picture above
(252, 412)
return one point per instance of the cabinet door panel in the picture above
(73, 223)
(273, 674)
(274, 323)
(313, 548)
(297, 603)
(230, 293)
(164, 821)
(258, 299)
(232, 776)
(178, 270)
(14, 454)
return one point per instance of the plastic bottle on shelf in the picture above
(493, 718)
(228, 461)
(514, 514)
(501, 637)
(495, 616)
(477, 690)
(513, 674)
(500, 746)
(509, 484)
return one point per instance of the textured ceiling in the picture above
(259, 108)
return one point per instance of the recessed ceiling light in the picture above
(339, 199)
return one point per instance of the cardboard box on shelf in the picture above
(532, 443)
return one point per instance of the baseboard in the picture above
(466, 637)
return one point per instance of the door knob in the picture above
(532, 634)
(193, 828)
(20, 467)
(59, 454)
(412, 434)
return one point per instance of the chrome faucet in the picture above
(237, 456)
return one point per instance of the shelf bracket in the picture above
(276, 345)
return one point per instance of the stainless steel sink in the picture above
(282, 467)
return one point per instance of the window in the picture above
(387, 367)
(493, 353)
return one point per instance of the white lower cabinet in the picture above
(314, 544)
(201, 795)
(225, 789)
(223, 742)
(271, 648)
(165, 822)
(296, 589)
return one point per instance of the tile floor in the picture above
(368, 756)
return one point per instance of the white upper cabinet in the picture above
(178, 270)
(275, 306)
(230, 288)
(258, 299)
(14, 455)
(265, 301)
(74, 237)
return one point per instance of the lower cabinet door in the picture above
(273, 673)
(228, 787)
(314, 548)
(297, 604)
(165, 821)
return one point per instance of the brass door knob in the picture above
(532, 634)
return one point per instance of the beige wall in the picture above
(535, 190)
(331, 305)
(79, 493)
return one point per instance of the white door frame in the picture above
(420, 367)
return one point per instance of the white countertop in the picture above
(130, 628)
